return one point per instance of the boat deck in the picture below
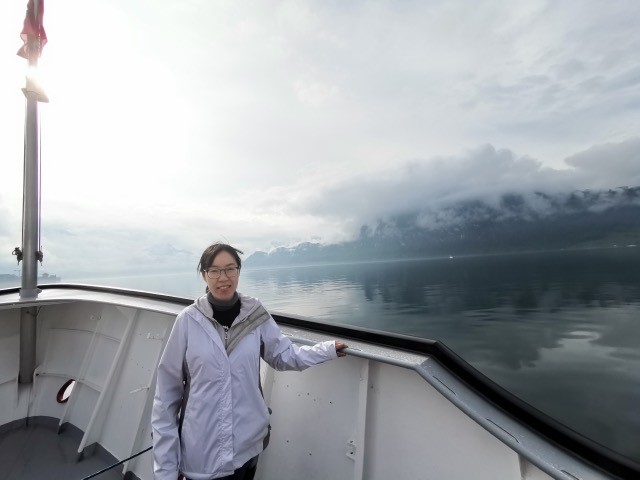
(39, 452)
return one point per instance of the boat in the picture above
(396, 405)
(78, 368)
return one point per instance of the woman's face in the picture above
(223, 287)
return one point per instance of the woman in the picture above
(209, 418)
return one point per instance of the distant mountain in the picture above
(514, 222)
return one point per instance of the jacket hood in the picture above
(252, 315)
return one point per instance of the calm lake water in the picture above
(561, 330)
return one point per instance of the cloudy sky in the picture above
(265, 123)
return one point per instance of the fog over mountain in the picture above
(487, 201)
(516, 222)
(484, 173)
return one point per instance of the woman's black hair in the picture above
(212, 251)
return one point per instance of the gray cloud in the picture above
(609, 165)
(485, 173)
(568, 80)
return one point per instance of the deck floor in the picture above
(39, 452)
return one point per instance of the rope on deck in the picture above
(116, 464)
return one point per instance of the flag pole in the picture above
(34, 38)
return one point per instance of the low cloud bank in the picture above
(485, 174)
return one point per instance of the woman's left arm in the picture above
(282, 354)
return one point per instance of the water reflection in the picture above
(561, 330)
(539, 298)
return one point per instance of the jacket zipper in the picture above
(226, 334)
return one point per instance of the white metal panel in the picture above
(65, 351)
(65, 334)
(115, 366)
(9, 357)
(100, 359)
(133, 388)
(71, 315)
(316, 427)
(409, 419)
(314, 418)
(156, 328)
(9, 344)
(116, 320)
(45, 403)
(85, 400)
(111, 328)
(9, 365)
(8, 401)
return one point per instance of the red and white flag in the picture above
(33, 27)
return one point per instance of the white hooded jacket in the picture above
(209, 417)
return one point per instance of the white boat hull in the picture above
(379, 413)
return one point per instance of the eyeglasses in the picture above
(230, 272)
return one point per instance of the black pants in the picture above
(245, 472)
